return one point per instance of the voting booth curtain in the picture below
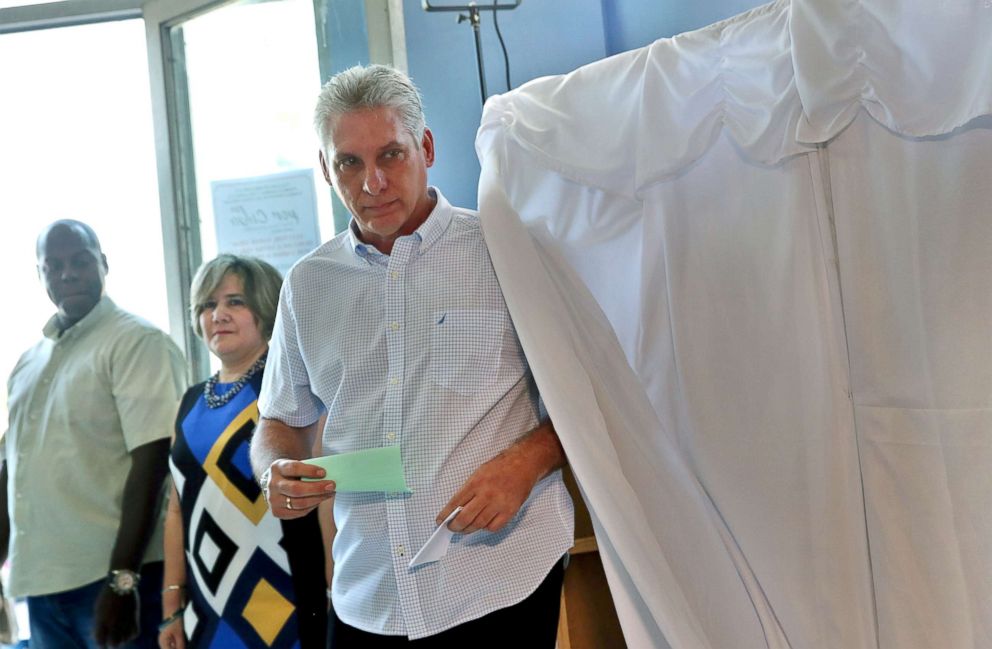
(751, 267)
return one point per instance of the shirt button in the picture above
(400, 551)
(390, 436)
(393, 275)
(394, 325)
(393, 381)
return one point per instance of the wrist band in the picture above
(172, 618)
(173, 587)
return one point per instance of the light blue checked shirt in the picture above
(417, 349)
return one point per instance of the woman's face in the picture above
(228, 325)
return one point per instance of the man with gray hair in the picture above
(85, 456)
(396, 329)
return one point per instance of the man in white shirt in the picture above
(397, 330)
(85, 455)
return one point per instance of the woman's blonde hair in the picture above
(261, 282)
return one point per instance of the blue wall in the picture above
(635, 23)
(542, 38)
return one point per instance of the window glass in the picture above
(253, 76)
(76, 142)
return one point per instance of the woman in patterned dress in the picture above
(233, 573)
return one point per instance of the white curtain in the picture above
(751, 267)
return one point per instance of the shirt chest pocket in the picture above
(465, 348)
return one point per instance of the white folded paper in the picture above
(436, 546)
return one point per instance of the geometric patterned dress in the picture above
(251, 579)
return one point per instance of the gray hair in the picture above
(261, 282)
(373, 86)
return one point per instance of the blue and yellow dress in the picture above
(251, 579)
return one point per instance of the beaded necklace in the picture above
(216, 401)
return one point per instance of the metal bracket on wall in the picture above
(473, 18)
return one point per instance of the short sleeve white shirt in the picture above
(415, 349)
(79, 403)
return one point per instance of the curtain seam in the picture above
(824, 189)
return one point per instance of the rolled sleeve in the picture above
(286, 394)
(148, 379)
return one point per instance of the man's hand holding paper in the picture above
(496, 491)
(295, 488)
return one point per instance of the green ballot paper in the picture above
(374, 469)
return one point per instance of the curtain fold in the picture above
(652, 517)
(919, 68)
(759, 309)
(649, 113)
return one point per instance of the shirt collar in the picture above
(87, 322)
(428, 232)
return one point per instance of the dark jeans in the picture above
(530, 624)
(65, 620)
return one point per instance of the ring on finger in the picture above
(289, 502)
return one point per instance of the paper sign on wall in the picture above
(273, 217)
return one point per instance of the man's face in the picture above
(380, 173)
(73, 273)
